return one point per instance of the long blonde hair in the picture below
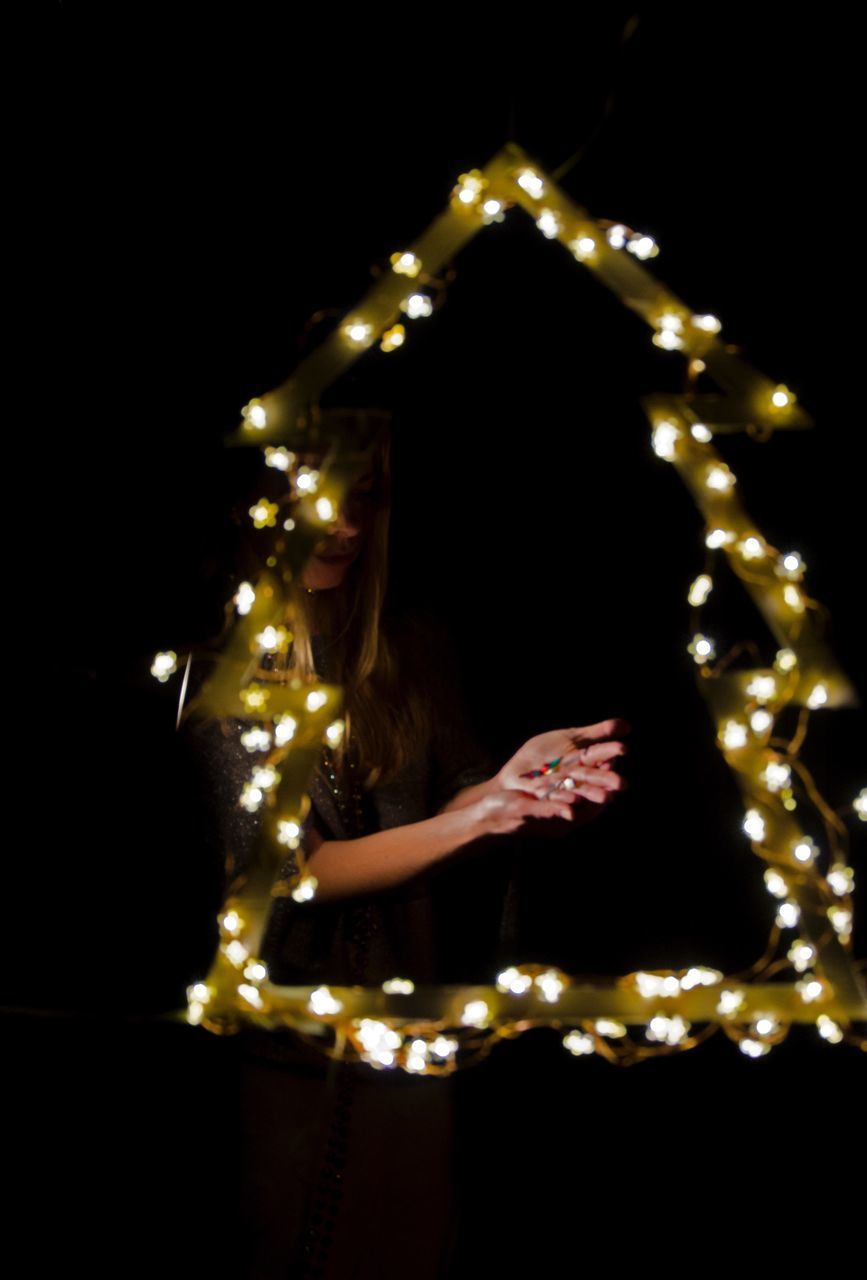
(371, 649)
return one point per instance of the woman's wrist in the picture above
(471, 795)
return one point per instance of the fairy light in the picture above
(316, 698)
(305, 889)
(492, 211)
(550, 985)
(254, 415)
(608, 1027)
(670, 1030)
(785, 660)
(272, 639)
(828, 1029)
(417, 305)
(528, 180)
(284, 729)
(616, 235)
(251, 994)
(164, 665)
(324, 509)
(810, 989)
(818, 696)
(719, 478)
(642, 246)
(730, 1002)
(775, 883)
(513, 980)
(236, 952)
(701, 433)
(859, 804)
(244, 598)
(398, 986)
(841, 879)
(762, 688)
(288, 832)
(549, 223)
(805, 851)
(752, 548)
(307, 480)
(668, 333)
(393, 338)
(765, 1024)
(405, 264)
(231, 922)
(793, 598)
(734, 735)
(358, 332)
(265, 777)
(761, 720)
(664, 439)
(583, 248)
(469, 187)
(776, 775)
(700, 589)
(702, 648)
(719, 538)
(788, 916)
(754, 825)
(475, 1014)
(841, 920)
(707, 323)
(579, 1043)
(278, 457)
(655, 984)
(264, 513)
(335, 731)
(323, 1003)
(753, 1048)
(801, 955)
(251, 797)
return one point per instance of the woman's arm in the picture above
(384, 859)
(469, 795)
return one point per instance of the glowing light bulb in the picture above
(244, 597)
(358, 332)
(616, 236)
(707, 323)
(804, 850)
(393, 338)
(417, 305)
(583, 248)
(776, 775)
(315, 699)
(700, 432)
(664, 438)
(754, 825)
(284, 728)
(511, 979)
(700, 589)
(702, 648)
(775, 883)
(164, 665)
(530, 182)
(579, 1043)
(753, 1048)
(762, 687)
(719, 477)
(841, 879)
(818, 697)
(642, 246)
(760, 721)
(752, 548)
(788, 915)
(278, 457)
(719, 538)
(405, 264)
(786, 660)
(549, 223)
(828, 1029)
(322, 1002)
(859, 804)
(801, 954)
(475, 1013)
(254, 414)
(734, 735)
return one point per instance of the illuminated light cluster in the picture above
(475, 1014)
(719, 538)
(656, 984)
(231, 923)
(668, 1030)
(788, 915)
(250, 995)
(793, 598)
(272, 639)
(264, 513)
(579, 1042)
(730, 1002)
(785, 660)
(256, 739)
(324, 509)
(393, 338)
(760, 721)
(805, 851)
(513, 980)
(278, 457)
(700, 589)
(765, 1024)
(841, 919)
(307, 480)
(254, 414)
(405, 264)
(801, 955)
(315, 699)
(583, 248)
(790, 566)
(667, 335)
(664, 438)
(417, 305)
(776, 883)
(358, 332)
(530, 182)
(549, 223)
(810, 989)
(244, 597)
(492, 211)
(818, 696)
(702, 648)
(550, 984)
(469, 187)
(642, 246)
(859, 804)
(254, 698)
(256, 971)
(251, 797)
(305, 888)
(752, 548)
(754, 825)
(699, 431)
(380, 1042)
(323, 1003)
(781, 397)
(609, 1028)
(707, 323)
(335, 731)
(753, 1048)
(164, 665)
(762, 688)
(236, 952)
(734, 735)
(284, 728)
(828, 1029)
(719, 478)
(841, 879)
(421, 1052)
(398, 986)
(288, 832)
(776, 775)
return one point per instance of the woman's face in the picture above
(331, 558)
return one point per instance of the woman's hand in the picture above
(585, 758)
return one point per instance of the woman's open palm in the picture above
(584, 755)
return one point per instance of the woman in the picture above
(342, 1164)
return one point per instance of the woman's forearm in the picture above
(469, 795)
(379, 861)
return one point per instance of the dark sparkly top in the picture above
(367, 938)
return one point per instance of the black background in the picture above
(204, 184)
